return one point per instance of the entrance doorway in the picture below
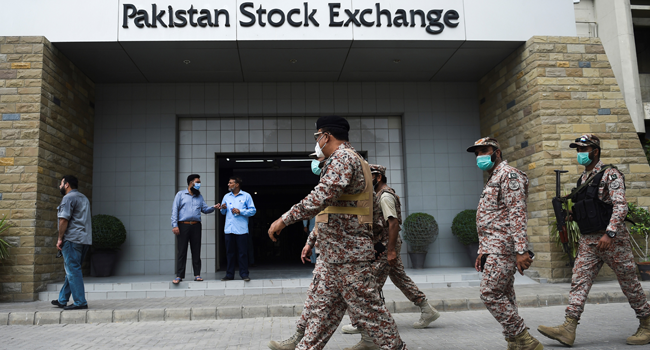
(275, 182)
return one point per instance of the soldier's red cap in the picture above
(377, 169)
(486, 141)
(586, 140)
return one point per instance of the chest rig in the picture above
(589, 212)
(364, 200)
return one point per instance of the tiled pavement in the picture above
(270, 305)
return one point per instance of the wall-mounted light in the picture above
(186, 61)
(293, 60)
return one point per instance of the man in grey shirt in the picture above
(75, 238)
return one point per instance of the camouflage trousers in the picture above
(589, 261)
(340, 287)
(398, 276)
(498, 293)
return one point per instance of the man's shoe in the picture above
(525, 341)
(512, 345)
(642, 335)
(289, 344)
(247, 279)
(227, 279)
(76, 307)
(564, 333)
(55, 302)
(428, 314)
(365, 343)
(350, 329)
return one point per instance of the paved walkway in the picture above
(602, 327)
(288, 305)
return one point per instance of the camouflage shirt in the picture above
(383, 235)
(342, 239)
(501, 214)
(611, 190)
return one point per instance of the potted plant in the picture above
(4, 245)
(573, 234)
(640, 229)
(464, 228)
(420, 230)
(108, 235)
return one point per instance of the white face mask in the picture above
(319, 150)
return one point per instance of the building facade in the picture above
(132, 97)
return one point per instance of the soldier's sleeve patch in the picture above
(513, 185)
(613, 177)
(513, 175)
(615, 185)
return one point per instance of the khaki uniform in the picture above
(501, 223)
(345, 278)
(619, 257)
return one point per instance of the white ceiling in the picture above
(266, 61)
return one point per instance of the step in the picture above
(137, 290)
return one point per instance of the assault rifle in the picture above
(561, 215)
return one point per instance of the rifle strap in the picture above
(589, 180)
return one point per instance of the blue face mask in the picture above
(484, 162)
(315, 167)
(583, 158)
(197, 185)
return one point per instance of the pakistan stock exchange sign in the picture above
(291, 20)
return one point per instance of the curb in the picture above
(283, 310)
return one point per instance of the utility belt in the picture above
(589, 212)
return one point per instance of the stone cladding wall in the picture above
(46, 111)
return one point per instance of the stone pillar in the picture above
(536, 102)
(47, 126)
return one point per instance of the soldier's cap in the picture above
(486, 141)
(377, 169)
(333, 122)
(586, 140)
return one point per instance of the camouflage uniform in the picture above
(344, 279)
(383, 268)
(501, 224)
(619, 256)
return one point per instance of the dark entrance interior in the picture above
(275, 182)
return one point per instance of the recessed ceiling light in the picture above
(397, 60)
(186, 61)
(293, 60)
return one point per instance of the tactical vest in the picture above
(398, 209)
(364, 200)
(589, 212)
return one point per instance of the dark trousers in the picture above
(189, 234)
(237, 251)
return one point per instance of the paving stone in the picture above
(455, 305)
(47, 317)
(125, 315)
(73, 316)
(177, 314)
(229, 312)
(405, 306)
(99, 316)
(4, 318)
(151, 315)
(280, 310)
(255, 311)
(597, 298)
(21, 318)
(204, 313)
(527, 301)
(550, 299)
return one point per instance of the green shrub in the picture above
(464, 227)
(4, 245)
(420, 230)
(639, 230)
(108, 232)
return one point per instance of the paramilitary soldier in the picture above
(389, 264)
(503, 244)
(605, 239)
(343, 200)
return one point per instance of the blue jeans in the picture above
(237, 250)
(73, 256)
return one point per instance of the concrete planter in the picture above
(103, 262)
(417, 260)
(644, 270)
(472, 252)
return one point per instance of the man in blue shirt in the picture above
(237, 206)
(186, 225)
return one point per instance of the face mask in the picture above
(583, 158)
(62, 190)
(319, 150)
(315, 167)
(485, 162)
(197, 185)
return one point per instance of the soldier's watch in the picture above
(611, 234)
